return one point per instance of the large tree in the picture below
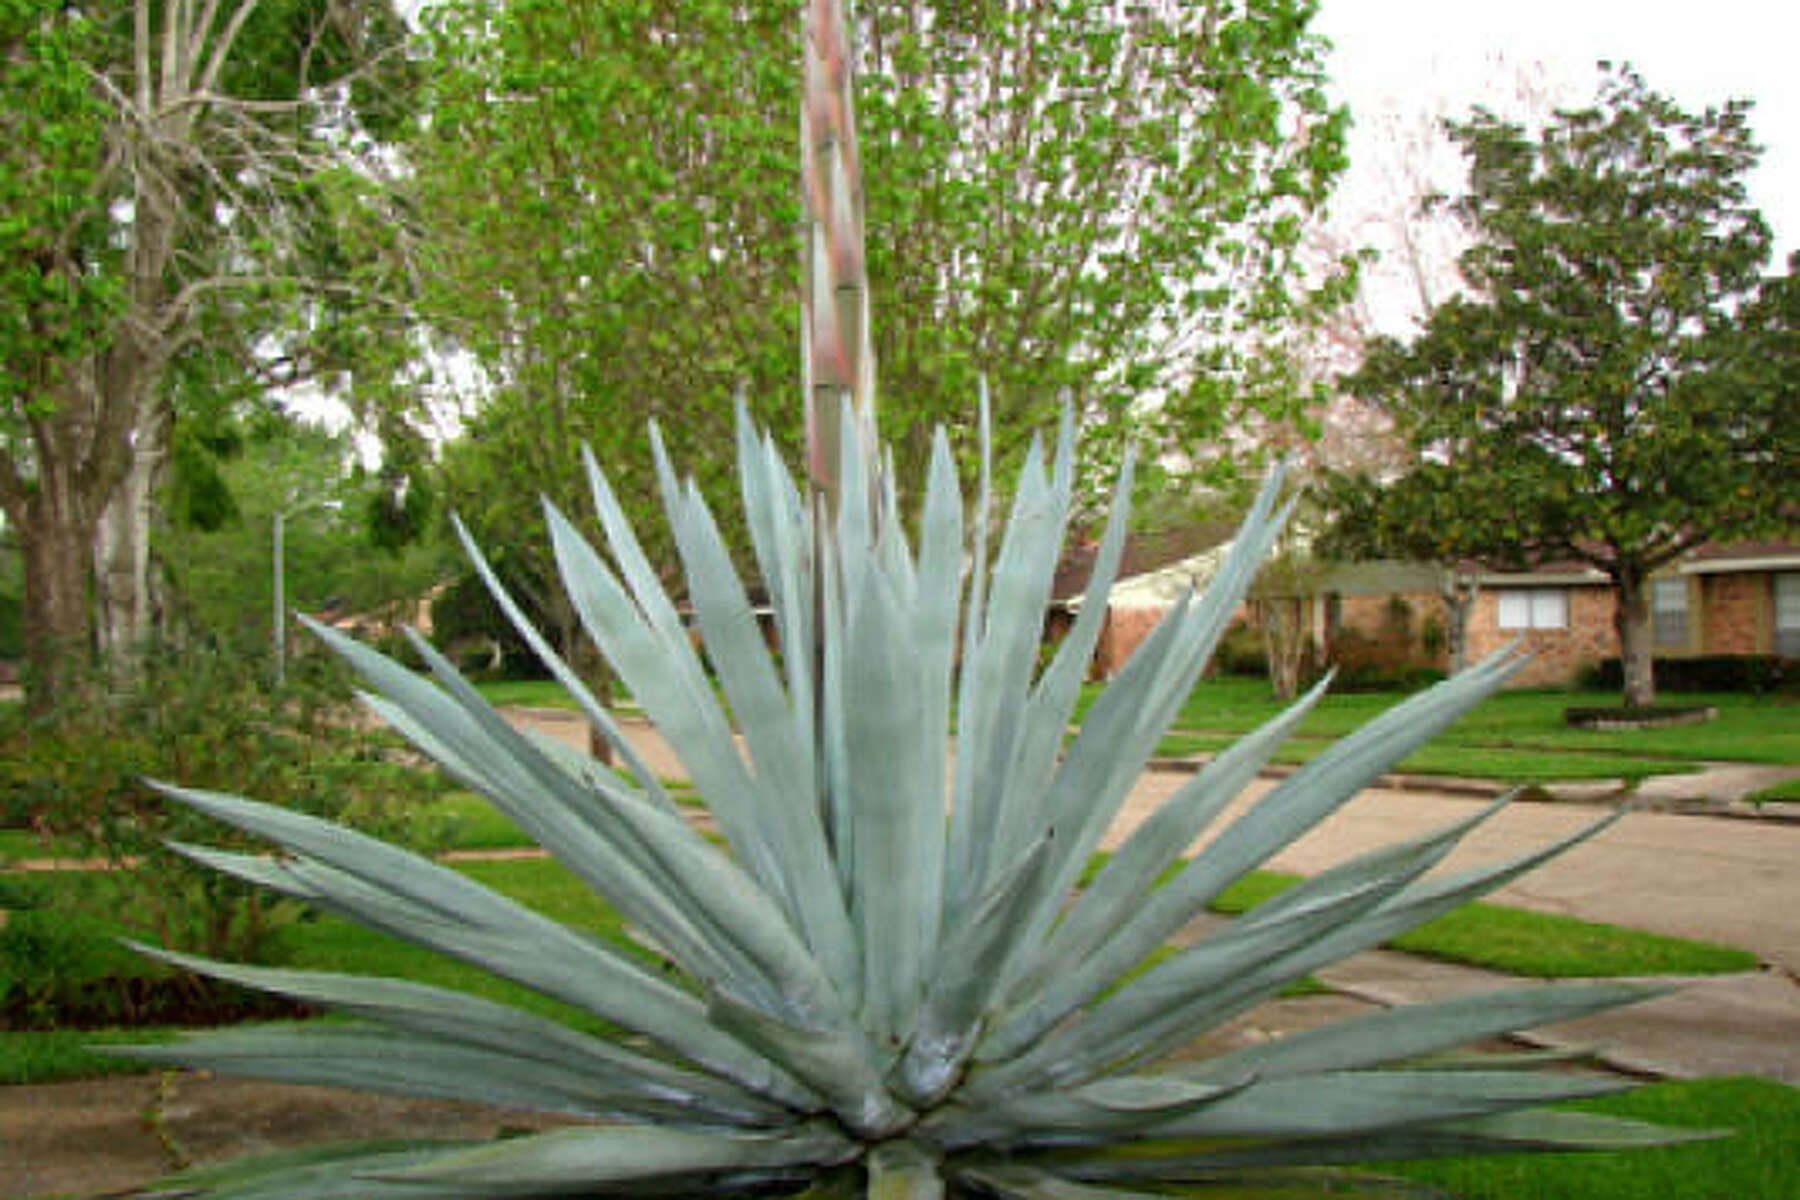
(171, 167)
(1596, 395)
(1081, 202)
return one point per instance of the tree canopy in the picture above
(173, 176)
(1083, 202)
(1598, 394)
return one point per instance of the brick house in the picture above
(1737, 598)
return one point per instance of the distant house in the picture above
(1736, 598)
(1154, 570)
(1730, 598)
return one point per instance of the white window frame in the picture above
(1520, 609)
(1786, 622)
(1670, 612)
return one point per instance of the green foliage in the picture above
(1078, 209)
(12, 601)
(219, 572)
(202, 715)
(1612, 387)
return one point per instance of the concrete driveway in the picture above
(1710, 878)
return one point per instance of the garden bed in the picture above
(1647, 717)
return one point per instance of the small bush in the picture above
(1386, 661)
(1240, 652)
(207, 719)
(1756, 674)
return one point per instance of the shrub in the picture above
(1753, 673)
(208, 716)
(1385, 661)
(1241, 652)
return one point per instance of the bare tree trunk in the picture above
(1458, 593)
(1284, 642)
(1632, 621)
(124, 603)
(58, 631)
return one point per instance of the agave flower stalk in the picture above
(837, 350)
(887, 977)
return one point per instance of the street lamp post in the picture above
(279, 623)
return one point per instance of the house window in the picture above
(1534, 608)
(1787, 615)
(1669, 611)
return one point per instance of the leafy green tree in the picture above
(1597, 395)
(338, 552)
(1081, 202)
(171, 174)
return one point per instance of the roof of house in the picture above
(1144, 554)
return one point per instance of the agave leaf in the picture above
(776, 733)
(565, 675)
(589, 1159)
(453, 1018)
(1150, 1008)
(1000, 674)
(312, 1173)
(639, 575)
(1131, 716)
(934, 645)
(739, 910)
(1297, 804)
(661, 670)
(1052, 701)
(1526, 1131)
(1102, 907)
(839, 1064)
(378, 1059)
(1114, 1109)
(1400, 1034)
(1422, 902)
(1158, 1007)
(588, 838)
(780, 539)
(1035, 729)
(963, 980)
(960, 888)
(889, 791)
(400, 893)
(1030, 1183)
(1348, 1102)
(1519, 1060)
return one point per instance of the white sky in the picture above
(1440, 55)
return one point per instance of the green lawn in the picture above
(1790, 791)
(1760, 1161)
(1504, 939)
(525, 693)
(1541, 945)
(1514, 734)
(1516, 764)
(17, 844)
